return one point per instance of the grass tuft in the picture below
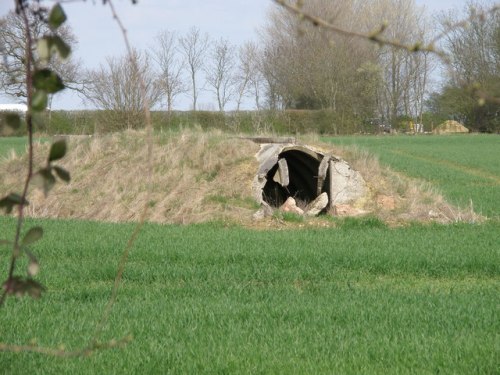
(289, 217)
(368, 222)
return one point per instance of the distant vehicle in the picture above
(386, 128)
(379, 125)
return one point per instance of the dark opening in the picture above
(303, 176)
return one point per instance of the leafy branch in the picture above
(149, 168)
(40, 83)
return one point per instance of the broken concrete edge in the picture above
(270, 140)
(317, 206)
(264, 211)
(282, 175)
(314, 209)
(345, 184)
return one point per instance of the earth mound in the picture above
(201, 176)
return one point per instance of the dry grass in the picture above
(396, 198)
(198, 176)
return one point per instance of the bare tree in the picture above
(474, 50)
(472, 91)
(220, 72)
(268, 66)
(165, 54)
(248, 76)
(424, 64)
(115, 87)
(307, 68)
(194, 46)
(405, 73)
(12, 47)
(243, 73)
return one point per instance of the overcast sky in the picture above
(235, 20)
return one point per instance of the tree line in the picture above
(297, 65)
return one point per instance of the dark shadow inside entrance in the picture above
(303, 179)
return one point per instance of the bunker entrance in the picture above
(310, 178)
(302, 170)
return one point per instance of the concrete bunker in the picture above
(305, 174)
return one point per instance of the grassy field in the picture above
(18, 144)
(464, 167)
(361, 299)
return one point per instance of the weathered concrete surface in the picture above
(282, 175)
(316, 206)
(322, 171)
(346, 184)
(302, 172)
(264, 211)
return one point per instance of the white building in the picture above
(13, 108)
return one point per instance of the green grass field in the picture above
(464, 167)
(18, 144)
(361, 298)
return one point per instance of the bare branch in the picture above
(149, 171)
(374, 36)
(464, 23)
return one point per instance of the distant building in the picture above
(13, 108)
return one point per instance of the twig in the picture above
(142, 219)
(374, 36)
(463, 23)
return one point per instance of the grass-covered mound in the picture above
(196, 177)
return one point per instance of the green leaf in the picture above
(44, 46)
(13, 120)
(14, 198)
(48, 179)
(47, 80)
(34, 288)
(10, 201)
(33, 235)
(49, 45)
(62, 173)
(57, 16)
(61, 47)
(39, 101)
(57, 150)
(33, 268)
(33, 265)
(19, 287)
(5, 242)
